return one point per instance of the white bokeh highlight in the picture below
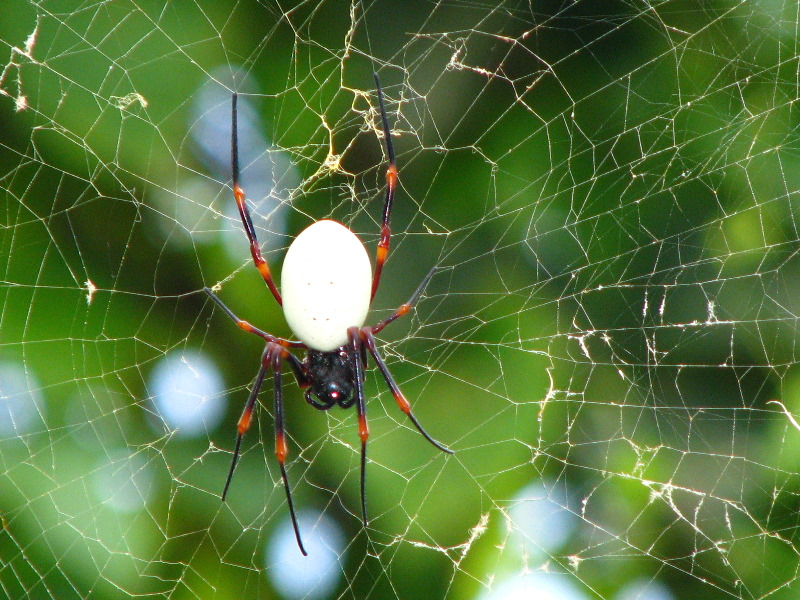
(644, 589)
(537, 585)
(311, 577)
(21, 402)
(123, 481)
(187, 392)
(541, 521)
(267, 174)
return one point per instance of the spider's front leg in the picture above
(238, 193)
(391, 184)
(245, 326)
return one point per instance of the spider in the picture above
(328, 287)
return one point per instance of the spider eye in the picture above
(333, 392)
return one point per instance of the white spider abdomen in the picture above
(326, 283)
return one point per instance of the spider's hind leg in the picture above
(368, 337)
(391, 185)
(281, 450)
(273, 357)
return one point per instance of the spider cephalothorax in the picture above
(328, 286)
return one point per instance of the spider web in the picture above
(609, 190)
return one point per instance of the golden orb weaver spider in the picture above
(328, 287)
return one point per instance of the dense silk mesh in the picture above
(609, 344)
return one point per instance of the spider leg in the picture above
(405, 307)
(244, 213)
(354, 351)
(281, 449)
(254, 330)
(391, 185)
(245, 419)
(369, 341)
(300, 373)
(273, 356)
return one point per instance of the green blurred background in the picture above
(610, 191)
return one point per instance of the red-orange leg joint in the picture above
(238, 193)
(363, 430)
(281, 450)
(402, 309)
(261, 264)
(255, 251)
(262, 267)
(383, 245)
(401, 401)
(380, 257)
(244, 422)
(391, 176)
